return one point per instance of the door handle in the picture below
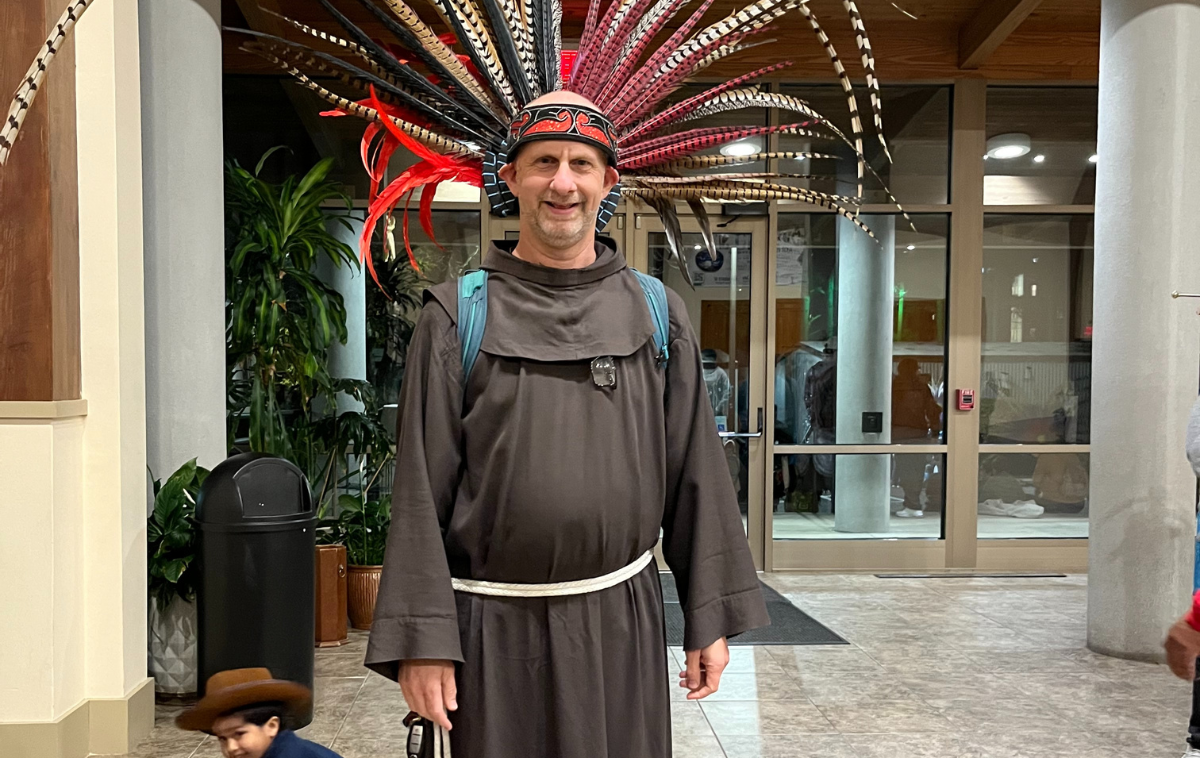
(727, 436)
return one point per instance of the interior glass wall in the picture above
(1041, 147)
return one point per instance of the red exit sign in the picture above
(567, 60)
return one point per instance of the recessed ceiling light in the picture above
(1039, 159)
(1005, 147)
(912, 247)
(1094, 158)
(740, 148)
(697, 247)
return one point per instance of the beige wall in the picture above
(73, 484)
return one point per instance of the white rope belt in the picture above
(440, 737)
(555, 589)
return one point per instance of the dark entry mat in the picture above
(789, 624)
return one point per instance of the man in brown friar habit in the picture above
(520, 605)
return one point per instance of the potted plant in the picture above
(362, 527)
(171, 543)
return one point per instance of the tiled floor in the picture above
(938, 668)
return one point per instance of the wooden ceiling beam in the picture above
(990, 26)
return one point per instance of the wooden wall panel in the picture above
(39, 236)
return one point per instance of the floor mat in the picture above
(789, 624)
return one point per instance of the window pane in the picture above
(1032, 495)
(1037, 329)
(390, 320)
(1041, 144)
(916, 122)
(858, 496)
(880, 313)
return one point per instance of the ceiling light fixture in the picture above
(740, 149)
(1094, 159)
(1005, 147)
(1039, 159)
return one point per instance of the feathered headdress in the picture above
(461, 113)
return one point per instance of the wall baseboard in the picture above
(107, 726)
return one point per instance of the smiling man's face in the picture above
(559, 185)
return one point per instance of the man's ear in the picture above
(611, 177)
(508, 173)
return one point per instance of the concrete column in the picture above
(866, 272)
(1145, 356)
(348, 361)
(183, 153)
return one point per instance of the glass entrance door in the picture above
(724, 302)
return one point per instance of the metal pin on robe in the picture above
(604, 371)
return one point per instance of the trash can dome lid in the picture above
(254, 488)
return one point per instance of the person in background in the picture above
(248, 712)
(1183, 640)
(915, 416)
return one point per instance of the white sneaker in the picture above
(993, 508)
(909, 513)
(1026, 509)
(1192, 753)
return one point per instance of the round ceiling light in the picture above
(1005, 147)
(740, 149)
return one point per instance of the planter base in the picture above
(363, 591)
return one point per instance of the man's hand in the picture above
(704, 667)
(1183, 647)
(429, 689)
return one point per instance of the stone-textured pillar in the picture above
(866, 272)
(183, 157)
(1145, 355)
(348, 361)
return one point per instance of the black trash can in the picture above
(256, 558)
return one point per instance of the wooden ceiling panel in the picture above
(1058, 42)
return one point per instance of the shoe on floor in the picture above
(909, 513)
(994, 508)
(1027, 509)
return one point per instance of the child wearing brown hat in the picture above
(248, 712)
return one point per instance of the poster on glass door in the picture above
(716, 270)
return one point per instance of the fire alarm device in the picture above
(966, 400)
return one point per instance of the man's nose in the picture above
(563, 182)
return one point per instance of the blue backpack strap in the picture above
(472, 317)
(656, 300)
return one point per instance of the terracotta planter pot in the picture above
(331, 599)
(363, 590)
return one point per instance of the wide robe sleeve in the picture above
(415, 614)
(703, 539)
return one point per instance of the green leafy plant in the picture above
(171, 535)
(281, 319)
(362, 526)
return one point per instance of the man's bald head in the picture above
(564, 97)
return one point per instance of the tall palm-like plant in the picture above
(281, 318)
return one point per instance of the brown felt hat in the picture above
(240, 688)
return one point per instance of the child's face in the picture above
(239, 739)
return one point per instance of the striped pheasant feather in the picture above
(683, 180)
(868, 61)
(28, 89)
(646, 72)
(445, 56)
(438, 142)
(695, 162)
(639, 39)
(847, 87)
(697, 140)
(472, 33)
(748, 193)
